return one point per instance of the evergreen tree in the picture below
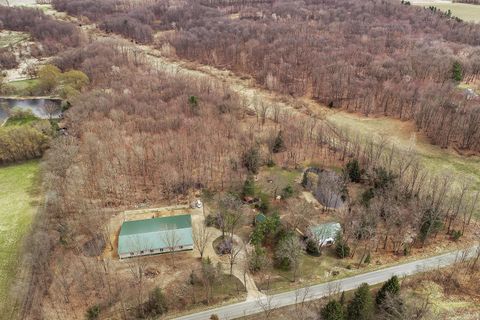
(333, 310)
(457, 72)
(251, 160)
(353, 170)
(278, 144)
(341, 248)
(248, 187)
(156, 304)
(361, 306)
(392, 286)
(342, 298)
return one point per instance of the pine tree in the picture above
(333, 310)
(392, 286)
(353, 170)
(361, 306)
(457, 72)
(278, 144)
(249, 187)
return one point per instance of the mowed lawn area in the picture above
(466, 12)
(19, 199)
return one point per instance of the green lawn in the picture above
(466, 12)
(22, 119)
(438, 160)
(23, 87)
(19, 196)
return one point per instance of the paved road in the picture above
(318, 291)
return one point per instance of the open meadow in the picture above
(405, 137)
(18, 203)
(466, 12)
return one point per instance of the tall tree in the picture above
(361, 306)
(333, 310)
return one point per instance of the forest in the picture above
(344, 54)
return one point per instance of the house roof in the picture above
(326, 230)
(151, 234)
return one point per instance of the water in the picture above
(41, 108)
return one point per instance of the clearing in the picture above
(19, 199)
(464, 11)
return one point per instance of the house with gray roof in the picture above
(154, 236)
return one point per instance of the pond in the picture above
(42, 108)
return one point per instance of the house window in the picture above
(141, 252)
(180, 247)
(161, 250)
(151, 251)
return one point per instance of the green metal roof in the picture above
(260, 217)
(150, 234)
(326, 230)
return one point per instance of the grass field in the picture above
(19, 199)
(466, 12)
(404, 136)
(23, 87)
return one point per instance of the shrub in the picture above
(264, 203)
(93, 312)
(258, 260)
(368, 259)
(225, 246)
(287, 192)
(211, 220)
(155, 306)
(312, 248)
(353, 170)
(251, 160)
(342, 249)
(456, 234)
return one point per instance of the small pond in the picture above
(41, 107)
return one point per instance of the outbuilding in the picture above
(154, 236)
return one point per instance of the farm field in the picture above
(466, 12)
(18, 202)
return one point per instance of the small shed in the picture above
(154, 236)
(259, 218)
(325, 233)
